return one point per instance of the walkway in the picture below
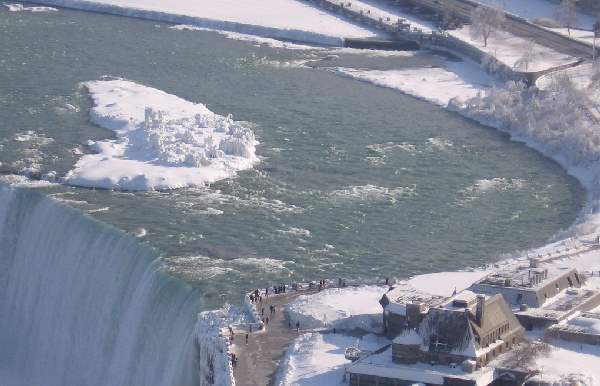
(258, 361)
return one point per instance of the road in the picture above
(515, 26)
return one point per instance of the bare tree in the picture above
(485, 20)
(566, 14)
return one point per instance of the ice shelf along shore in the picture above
(162, 141)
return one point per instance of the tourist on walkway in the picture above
(262, 312)
(246, 339)
(298, 326)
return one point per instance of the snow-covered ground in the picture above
(317, 359)
(162, 141)
(438, 85)
(569, 364)
(511, 50)
(280, 19)
(534, 10)
(347, 308)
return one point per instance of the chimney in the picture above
(480, 309)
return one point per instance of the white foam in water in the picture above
(84, 304)
(374, 193)
(163, 141)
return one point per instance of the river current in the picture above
(355, 181)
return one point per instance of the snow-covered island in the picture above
(162, 141)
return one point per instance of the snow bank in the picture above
(213, 349)
(162, 141)
(256, 40)
(15, 7)
(437, 85)
(279, 19)
(343, 308)
(318, 359)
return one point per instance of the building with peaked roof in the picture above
(440, 341)
(467, 328)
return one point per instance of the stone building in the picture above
(440, 341)
(529, 290)
(467, 328)
(531, 286)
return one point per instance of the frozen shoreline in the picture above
(262, 19)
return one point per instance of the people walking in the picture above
(246, 339)
(298, 326)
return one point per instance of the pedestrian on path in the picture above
(246, 339)
(298, 326)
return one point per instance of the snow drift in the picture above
(162, 141)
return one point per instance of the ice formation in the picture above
(162, 141)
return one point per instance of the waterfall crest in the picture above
(82, 303)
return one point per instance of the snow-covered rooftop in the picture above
(381, 364)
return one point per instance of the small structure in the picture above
(582, 328)
(405, 308)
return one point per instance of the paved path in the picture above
(258, 361)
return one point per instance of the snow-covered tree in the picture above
(485, 20)
(530, 55)
(566, 14)
(595, 78)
